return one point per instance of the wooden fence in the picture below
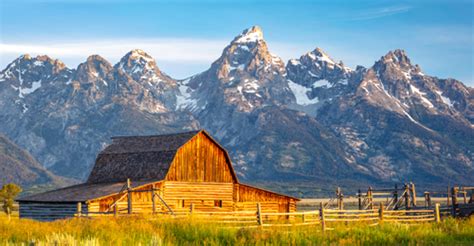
(323, 217)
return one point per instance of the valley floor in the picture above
(145, 231)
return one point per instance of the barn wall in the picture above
(48, 211)
(200, 160)
(247, 197)
(204, 196)
(141, 202)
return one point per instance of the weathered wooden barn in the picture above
(166, 173)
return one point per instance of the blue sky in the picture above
(185, 37)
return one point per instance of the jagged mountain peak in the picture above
(247, 76)
(319, 58)
(315, 77)
(397, 56)
(140, 56)
(248, 54)
(398, 59)
(97, 58)
(27, 62)
(320, 55)
(395, 66)
(251, 35)
(26, 74)
(140, 66)
(136, 61)
(95, 68)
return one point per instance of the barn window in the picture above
(218, 203)
(180, 203)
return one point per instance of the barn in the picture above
(157, 174)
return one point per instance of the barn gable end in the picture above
(201, 159)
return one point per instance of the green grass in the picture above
(143, 231)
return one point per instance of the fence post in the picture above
(338, 191)
(360, 199)
(413, 191)
(340, 197)
(129, 197)
(153, 198)
(454, 200)
(437, 217)
(79, 209)
(115, 210)
(407, 197)
(448, 195)
(427, 200)
(369, 195)
(191, 209)
(381, 209)
(259, 214)
(321, 213)
(304, 217)
(395, 198)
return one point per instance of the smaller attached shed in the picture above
(166, 173)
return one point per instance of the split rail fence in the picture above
(323, 217)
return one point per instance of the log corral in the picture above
(157, 174)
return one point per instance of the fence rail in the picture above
(321, 217)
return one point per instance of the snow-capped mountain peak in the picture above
(26, 74)
(250, 35)
(140, 66)
(319, 55)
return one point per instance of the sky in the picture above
(186, 36)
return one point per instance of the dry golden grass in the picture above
(156, 231)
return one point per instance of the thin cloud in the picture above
(170, 50)
(378, 13)
(181, 57)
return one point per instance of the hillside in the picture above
(19, 167)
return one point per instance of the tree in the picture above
(8, 194)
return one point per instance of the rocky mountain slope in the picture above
(308, 122)
(18, 166)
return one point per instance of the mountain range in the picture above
(309, 123)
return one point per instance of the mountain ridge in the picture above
(303, 117)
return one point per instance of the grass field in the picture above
(143, 231)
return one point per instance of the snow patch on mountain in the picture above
(301, 94)
(22, 92)
(184, 98)
(422, 95)
(38, 63)
(445, 100)
(322, 83)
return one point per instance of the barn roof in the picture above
(138, 157)
(80, 193)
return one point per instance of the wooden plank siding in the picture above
(204, 195)
(200, 160)
(246, 198)
(45, 211)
